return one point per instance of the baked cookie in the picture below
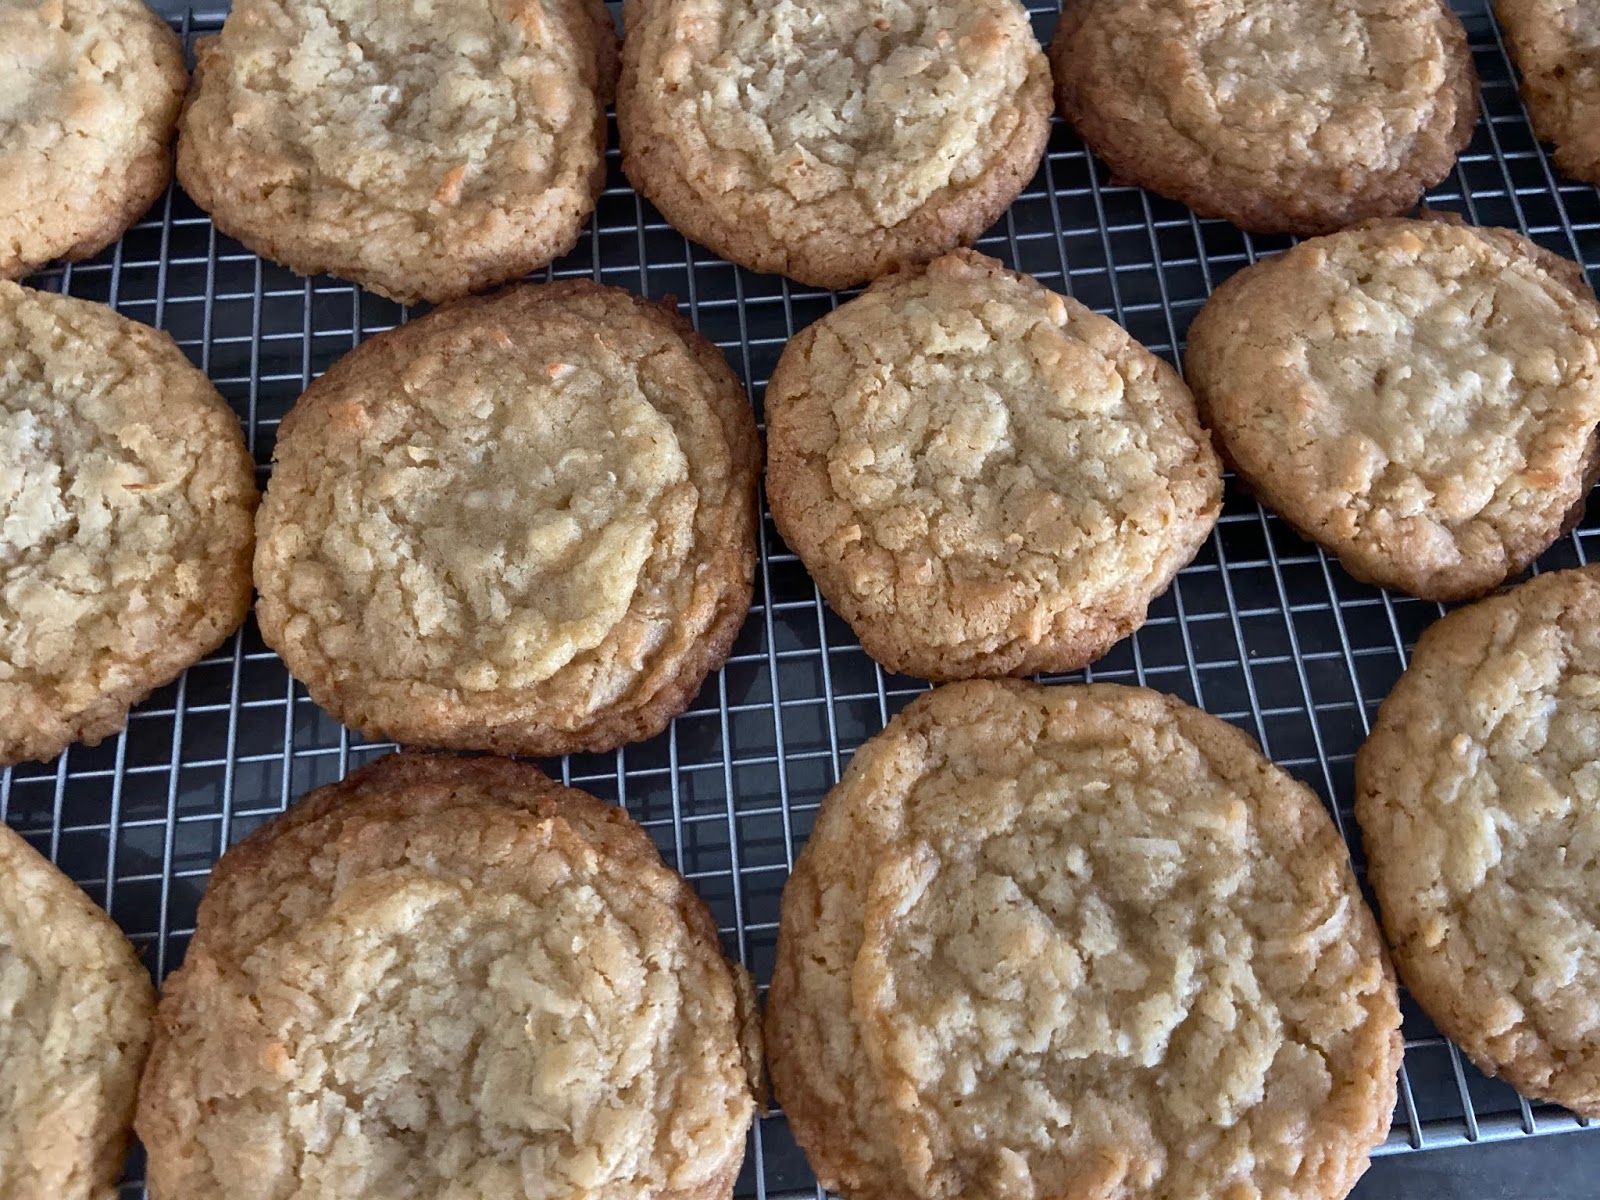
(983, 476)
(89, 93)
(1556, 44)
(126, 497)
(75, 1009)
(831, 143)
(423, 151)
(1282, 116)
(1078, 941)
(523, 523)
(450, 977)
(1478, 795)
(1420, 397)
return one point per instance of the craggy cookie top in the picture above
(125, 519)
(1280, 115)
(523, 522)
(1557, 47)
(1479, 797)
(1421, 397)
(448, 977)
(831, 142)
(424, 150)
(1078, 941)
(984, 476)
(75, 1007)
(89, 91)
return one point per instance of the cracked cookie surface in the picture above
(1420, 397)
(522, 523)
(1478, 795)
(1283, 116)
(1078, 941)
(75, 1015)
(984, 477)
(446, 977)
(424, 150)
(831, 143)
(1556, 45)
(89, 95)
(126, 496)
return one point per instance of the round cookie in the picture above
(524, 523)
(423, 151)
(450, 977)
(89, 93)
(75, 1010)
(1078, 941)
(1478, 795)
(831, 143)
(126, 497)
(983, 476)
(1422, 398)
(1281, 116)
(1556, 44)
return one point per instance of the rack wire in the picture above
(1262, 629)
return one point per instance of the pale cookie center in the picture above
(885, 98)
(1067, 953)
(491, 554)
(431, 95)
(548, 1065)
(1343, 79)
(56, 80)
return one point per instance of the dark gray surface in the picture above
(1261, 629)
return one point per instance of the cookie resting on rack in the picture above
(89, 95)
(75, 1013)
(1078, 941)
(1556, 45)
(126, 496)
(1478, 795)
(983, 476)
(831, 142)
(1420, 397)
(1281, 116)
(449, 977)
(523, 523)
(422, 150)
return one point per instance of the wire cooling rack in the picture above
(1262, 629)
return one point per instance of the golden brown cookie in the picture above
(75, 1010)
(983, 476)
(1282, 116)
(523, 523)
(423, 151)
(831, 143)
(1078, 941)
(450, 977)
(89, 94)
(1479, 800)
(126, 497)
(1420, 397)
(1556, 44)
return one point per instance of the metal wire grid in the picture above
(1261, 629)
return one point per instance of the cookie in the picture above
(524, 523)
(983, 476)
(126, 501)
(1478, 795)
(423, 151)
(1281, 116)
(75, 1011)
(450, 977)
(1421, 398)
(89, 94)
(831, 143)
(1556, 44)
(1078, 941)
